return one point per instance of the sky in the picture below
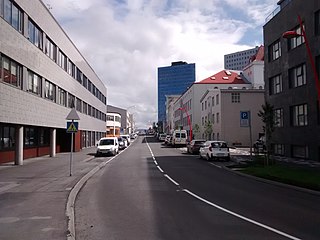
(125, 41)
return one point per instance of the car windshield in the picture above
(219, 145)
(106, 142)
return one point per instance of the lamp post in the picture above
(189, 121)
(293, 34)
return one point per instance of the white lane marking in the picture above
(160, 169)
(173, 181)
(155, 162)
(240, 216)
(215, 165)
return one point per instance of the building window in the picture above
(85, 108)
(51, 50)
(7, 137)
(202, 106)
(85, 81)
(12, 14)
(50, 91)
(71, 69)
(79, 75)
(213, 120)
(218, 117)
(297, 76)
(12, 71)
(34, 83)
(278, 149)
(79, 105)
(62, 97)
(35, 35)
(217, 99)
(212, 101)
(202, 120)
(62, 60)
(299, 115)
(274, 51)
(276, 84)
(296, 41)
(30, 137)
(235, 97)
(278, 117)
(317, 22)
(44, 136)
(71, 101)
(299, 151)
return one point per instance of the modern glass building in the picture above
(173, 80)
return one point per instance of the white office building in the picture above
(42, 76)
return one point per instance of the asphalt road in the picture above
(153, 192)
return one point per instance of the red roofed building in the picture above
(190, 99)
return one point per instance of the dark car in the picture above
(122, 144)
(194, 146)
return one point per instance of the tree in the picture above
(196, 130)
(267, 117)
(208, 129)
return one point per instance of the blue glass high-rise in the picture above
(173, 80)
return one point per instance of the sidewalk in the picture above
(33, 197)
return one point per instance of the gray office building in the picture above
(239, 60)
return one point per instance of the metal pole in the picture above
(250, 132)
(71, 153)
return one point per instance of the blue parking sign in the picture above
(244, 118)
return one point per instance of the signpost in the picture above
(72, 127)
(245, 121)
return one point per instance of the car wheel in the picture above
(208, 158)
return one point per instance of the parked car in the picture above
(162, 137)
(179, 137)
(194, 146)
(127, 137)
(215, 150)
(260, 144)
(167, 139)
(122, 143)
(108, 145)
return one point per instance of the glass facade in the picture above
(173, 80)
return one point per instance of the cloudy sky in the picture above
(125, 41)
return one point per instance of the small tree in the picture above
(196, 130)
(208, 129)
(267, 117)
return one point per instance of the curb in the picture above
(71, 233)
(72, 198)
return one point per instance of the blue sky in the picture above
(125, 41)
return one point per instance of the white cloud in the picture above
(126, 43)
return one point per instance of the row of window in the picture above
(297, 77)
(275, 48)
(297, 151)
(214, 119)
(206, 103)
(298, 116)
(14, 16)
(113, 118)
(11, 73)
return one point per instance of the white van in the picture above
(108, 145)
(179, 137)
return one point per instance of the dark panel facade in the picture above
(290, 80)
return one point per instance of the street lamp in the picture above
(189, 121)
(293, 34)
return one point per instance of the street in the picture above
(151, 191)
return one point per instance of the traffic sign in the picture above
(244, 118)
(72, 127)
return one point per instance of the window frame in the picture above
(276, 84)
(34, 83)
(299, 115)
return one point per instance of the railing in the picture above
(277, 10)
